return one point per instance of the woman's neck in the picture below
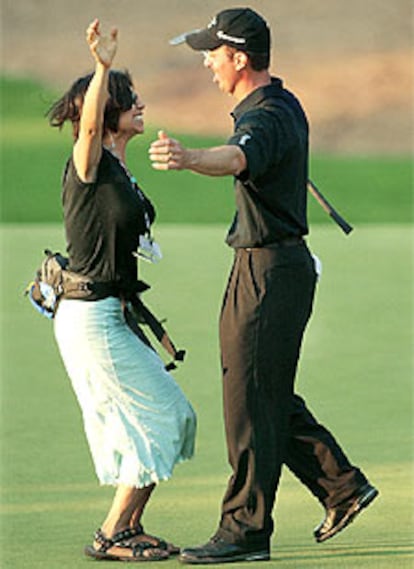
(115, 145)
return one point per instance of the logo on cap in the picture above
(213, 22)
(244, 138)
(222, 36)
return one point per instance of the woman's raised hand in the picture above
(103, 48)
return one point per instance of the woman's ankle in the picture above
(109, 530)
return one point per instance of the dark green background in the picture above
(363, 189)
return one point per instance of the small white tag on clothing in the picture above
(318, 265)
(148, 250)
(48, 294)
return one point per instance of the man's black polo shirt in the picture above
(272, 130)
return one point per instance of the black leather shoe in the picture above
(219, 551)
(341, 516)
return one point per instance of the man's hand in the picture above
(103, 48)
(167, 153)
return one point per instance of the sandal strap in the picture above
(105, 543)
(120, 540)
(160, 543)
(143, 545)
(128, 533)
(117, 539)
(139, 548)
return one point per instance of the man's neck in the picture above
(250, 82)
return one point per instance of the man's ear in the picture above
(241, 60)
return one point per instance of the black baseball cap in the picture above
(241, 28)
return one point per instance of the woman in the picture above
(137, 420)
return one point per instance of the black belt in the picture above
(285, 242)
(102, 289)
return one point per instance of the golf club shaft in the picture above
(344, 225)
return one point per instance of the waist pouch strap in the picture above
(70, 285)
(143, 314)
(76, 286)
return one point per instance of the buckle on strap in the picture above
(144, 315)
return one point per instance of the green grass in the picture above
(364, 189)
(356, 370)
(356, 373)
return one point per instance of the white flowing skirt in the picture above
(137, 420)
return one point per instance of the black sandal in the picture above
(159, 542)
(120, 540)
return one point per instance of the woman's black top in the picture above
(103, 222)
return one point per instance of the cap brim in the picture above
(178, 40)
(202, 40)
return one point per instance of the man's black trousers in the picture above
(267, 304)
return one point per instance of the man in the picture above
(268, 300)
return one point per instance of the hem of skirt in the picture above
(150, 478)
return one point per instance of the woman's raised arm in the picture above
(88, 147)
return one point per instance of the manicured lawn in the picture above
(356, 373)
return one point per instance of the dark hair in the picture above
(69, 106)
(257, 61)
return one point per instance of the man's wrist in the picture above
(191, 159)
